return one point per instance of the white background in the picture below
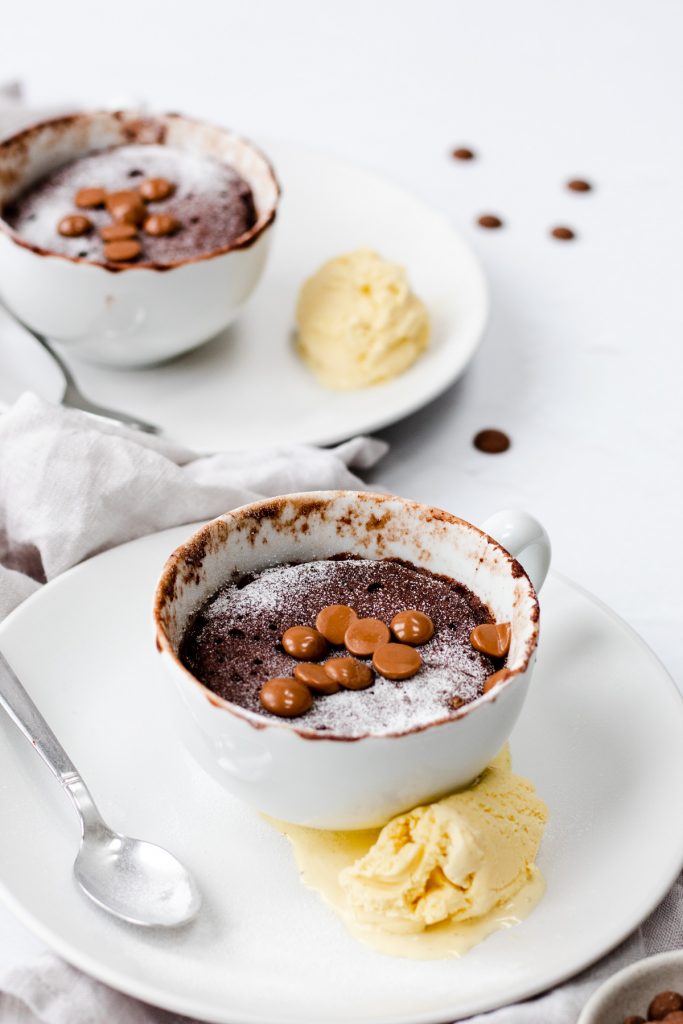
(582, 363)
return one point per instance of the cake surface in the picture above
(211, 202)
(233, 645)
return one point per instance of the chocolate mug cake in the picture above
(248, 594)
(144, 234)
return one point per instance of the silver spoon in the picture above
(73, 396)
(134, 880)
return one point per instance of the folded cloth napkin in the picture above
(72, 485)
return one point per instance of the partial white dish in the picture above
(629, 992)
(247, 387)
(600, 736)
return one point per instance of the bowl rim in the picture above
(194, 548)
(614, 983)
(23, 139)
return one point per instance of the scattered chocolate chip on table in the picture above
(491, 441)
(489, 220)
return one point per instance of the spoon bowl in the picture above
(135, 880)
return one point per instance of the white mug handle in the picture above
(525, 539)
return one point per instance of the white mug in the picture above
(329, 781)
(139, 313)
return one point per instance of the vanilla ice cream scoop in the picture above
(453, 860)
(359, 322)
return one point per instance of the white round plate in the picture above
(248, 387)
(601, 737)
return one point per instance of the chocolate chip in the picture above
(156, 189)
(364, 636)
(304, 643)
(463, 153)
(412, 627)
(118, 232)
(564, 234)
(396, 661)
(492, 638)
(489, 220)
(122, 252)
(316, 678)
(491, 441)
(579, 185)
(498, 677)
(285, 697)
(89, 198)
(349, 673)
(161, 224)
(74, 226)
(333, 621)
(663, 1004)
(127, 206)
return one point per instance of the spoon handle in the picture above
(73, 396)
(28, 719)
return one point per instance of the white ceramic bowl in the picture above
(139, 313)
(628, 993)
(334, 782)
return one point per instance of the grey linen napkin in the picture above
(72, 485)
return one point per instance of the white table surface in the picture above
(582, 363)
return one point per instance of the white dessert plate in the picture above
(248, 387)
(601, 736)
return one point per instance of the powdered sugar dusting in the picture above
(212, 202)
(234, 647)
